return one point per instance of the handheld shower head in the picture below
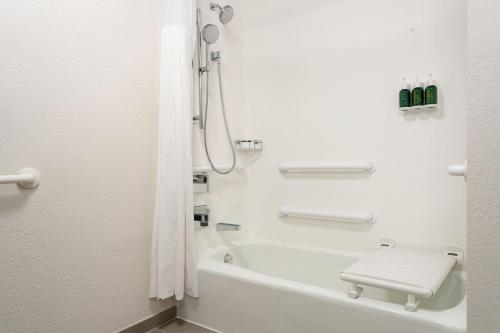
(210, 33)
(226, 13)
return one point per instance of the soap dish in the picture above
(249, 145)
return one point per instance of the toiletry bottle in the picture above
(417, 94)
(405, 96)
(431, 93)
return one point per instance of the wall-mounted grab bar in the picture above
(458, 170)
(328, 216)
(25, 178)
(334, 167)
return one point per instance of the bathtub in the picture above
(278, 288)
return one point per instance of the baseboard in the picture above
(154, 321)
(206, 327)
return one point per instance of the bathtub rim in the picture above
(447, 318)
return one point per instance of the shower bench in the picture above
(414, 272)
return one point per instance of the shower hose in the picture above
(228, 132)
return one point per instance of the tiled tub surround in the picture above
(272, 287)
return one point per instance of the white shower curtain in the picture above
(173, 261)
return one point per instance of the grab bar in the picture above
(327, 216)
(336, 167)
(25, 178)
(458, 170)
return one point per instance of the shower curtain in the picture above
(173, 259)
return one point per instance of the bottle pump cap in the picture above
(405, 84)
(418, 83)
(431, 81)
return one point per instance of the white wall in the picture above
(78, 100)
(484, 160)
(322, 85)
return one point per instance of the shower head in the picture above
(226, 13)
(210, 33)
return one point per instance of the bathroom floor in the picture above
(180, 326)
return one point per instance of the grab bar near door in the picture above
(27, 178)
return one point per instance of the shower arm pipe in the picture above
(357, 218)
(334, 167)
(25, 178)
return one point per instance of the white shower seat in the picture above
(414, 272)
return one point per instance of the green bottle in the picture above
(431, 93)
(417, 95)
(405, 96)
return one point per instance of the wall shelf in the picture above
(420, 108)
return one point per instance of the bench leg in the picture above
(412, 304)
(355, 291)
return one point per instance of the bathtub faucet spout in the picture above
(228, 227)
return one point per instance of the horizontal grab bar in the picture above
(458, 170)
(25, 178)
(334, 167)
(328, 216)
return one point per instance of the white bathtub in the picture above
(279, 288)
